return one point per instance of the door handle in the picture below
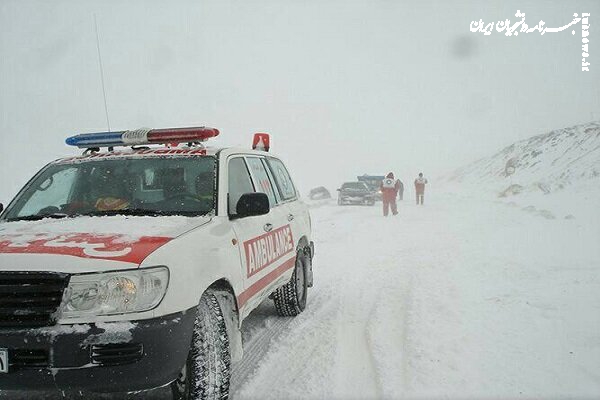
(290, 217)
(268, 227)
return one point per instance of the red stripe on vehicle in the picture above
(265, 281)
(122, 248)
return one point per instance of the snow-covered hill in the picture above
(563, 158)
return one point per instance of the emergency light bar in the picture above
(142, 136)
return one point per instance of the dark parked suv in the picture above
(355, 193)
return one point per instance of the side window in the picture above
(262, 179)
(272, 178)
(239, 182)
(284, 182)
(53, 192)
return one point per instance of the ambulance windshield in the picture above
(149, 186)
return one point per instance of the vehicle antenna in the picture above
(101, 72)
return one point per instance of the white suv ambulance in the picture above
(133, 268)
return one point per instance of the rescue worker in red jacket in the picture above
(389, 190)
(420, 183)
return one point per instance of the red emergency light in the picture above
(261, 142)
(181, 135)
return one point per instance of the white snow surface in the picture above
(464, 297)
(469, 296)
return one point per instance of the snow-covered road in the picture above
(460, 298)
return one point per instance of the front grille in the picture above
(30, 299)
(116, 353)
(21, 359)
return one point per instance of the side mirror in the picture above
(338, 189)
(252, 204)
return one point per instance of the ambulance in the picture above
(132, 266)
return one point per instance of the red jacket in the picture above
(420, 185)
(389, 190)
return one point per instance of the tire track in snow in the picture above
(363, 362)
(293, 357)
(256, 349)
(371, 351)
(356, 373)
(388, 334)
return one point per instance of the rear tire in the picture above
(290, 299)
(207, 371)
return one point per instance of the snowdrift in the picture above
(547, 163)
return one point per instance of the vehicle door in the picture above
(264, 241)
(295, 210)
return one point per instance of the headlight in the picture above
(114, 292)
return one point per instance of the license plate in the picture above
(3, 361)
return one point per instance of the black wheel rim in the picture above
(300, 280)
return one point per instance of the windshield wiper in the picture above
(142, 212)
(127, 211)
(37, 217)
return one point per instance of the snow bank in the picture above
(560, 159)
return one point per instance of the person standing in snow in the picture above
(389, 190)
(420, 183)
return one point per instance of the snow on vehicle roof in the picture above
(141, 153)
(156, 152)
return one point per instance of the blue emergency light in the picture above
(100, 139)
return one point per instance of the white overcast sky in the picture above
(344, 87)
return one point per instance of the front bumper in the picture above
(107, 357)
(357, 199)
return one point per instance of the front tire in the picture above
(207, 371)
(290, 299)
